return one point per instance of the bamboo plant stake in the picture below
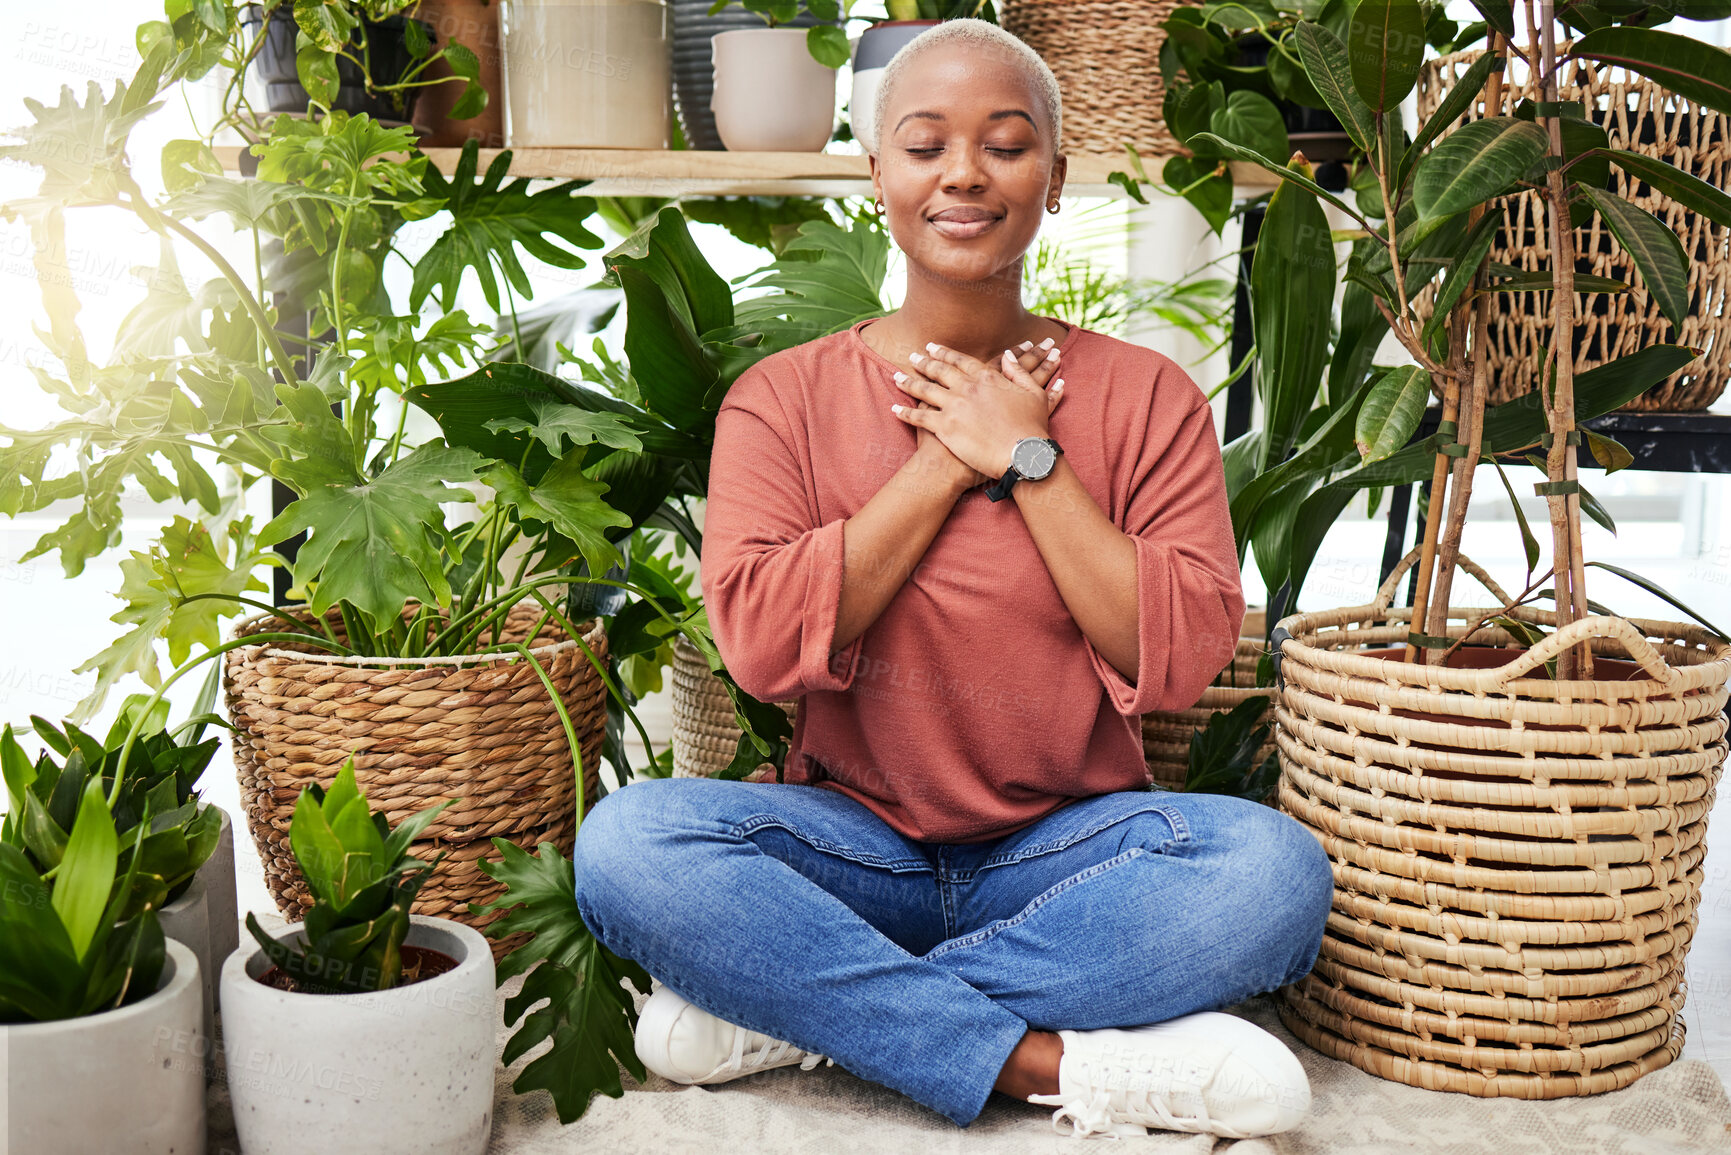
(1562, 490)
(1473, 409)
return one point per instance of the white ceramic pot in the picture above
(125, 1080)
(871, 56)
(587, 73)
(408, 1070)
(770, 95)
(205, 919)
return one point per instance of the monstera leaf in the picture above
(488, 218)
(585, 1012)
(376, 544)
(829, 278)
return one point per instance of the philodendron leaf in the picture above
(1391, 412)
(570, 502)
(1250, 119)
(1385, 43)
(490, 219)
(587, 1014)
(1326, 63)
(1475, 163)
(557, 424)
(376, 545)
(1653, 247)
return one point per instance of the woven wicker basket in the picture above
(1642, 117)
(705, 735)
(1166, 734)
(1106, 56)
(475, 728)
(1517, 861)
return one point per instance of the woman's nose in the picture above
(962, 171)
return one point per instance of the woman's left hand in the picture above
(978, 410)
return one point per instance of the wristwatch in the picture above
(1033, 459)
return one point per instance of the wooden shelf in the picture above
(635, 172)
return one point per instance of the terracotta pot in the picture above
(475, 25)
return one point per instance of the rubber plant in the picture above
(363, 881)
(1427, 215)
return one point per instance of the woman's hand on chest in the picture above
(979, 410)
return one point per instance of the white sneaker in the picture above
(687, 1044)
(1208, 1072)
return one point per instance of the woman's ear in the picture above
(1060, 169)
(877, 179)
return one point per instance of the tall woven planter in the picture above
(1106, 56)
(705, 735)
(1166, 733)
(1640, 116)
(1517, 861)
(477, 728)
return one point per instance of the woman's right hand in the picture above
(934, 457)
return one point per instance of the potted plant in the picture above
(448, 114)
(1493, 782)
(775, 86)
(147, 775)
(88, 991)
(884, 38)
(587, 75)
(364, 1026)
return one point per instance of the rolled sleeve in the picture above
(772, 579)
(1189, 597)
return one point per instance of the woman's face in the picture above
(965, 166)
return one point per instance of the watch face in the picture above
(1033, 458)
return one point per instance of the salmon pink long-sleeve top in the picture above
(974, 704)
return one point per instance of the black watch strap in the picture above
(1000, 488)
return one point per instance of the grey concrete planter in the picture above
(406, 1071)
(128, 1080)
(205, 918)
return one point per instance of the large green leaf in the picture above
(587, 1014)
(1289, 175)
(1385, 43)
(1474, 163)
(556, 424)
(1391, 412)
(1325, 61)
(1250, 119)
(489, 219)
(1688, 66)
(376, 544)
(828, 278)
(1654, 248)
(1685, 188)
(1292, 283)
(568, 501)
(662, 250)
(1460, 97)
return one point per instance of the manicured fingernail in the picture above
(900, 377)
(1046, 344)
(1025, 345)
(1052, 356)
(1008, 355)
(933, 347)
(895, 408)
(916, 358)
(1057, 385)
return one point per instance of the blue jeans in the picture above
(795, 911)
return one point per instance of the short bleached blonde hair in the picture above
(984, 37)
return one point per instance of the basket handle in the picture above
(1633, 641)
(1385, 593)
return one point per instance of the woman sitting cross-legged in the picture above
(977, 544)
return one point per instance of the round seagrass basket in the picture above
(705, 735)
(1106, 56)
(1642, 117)
(1166, 733)
(477, 728)
(1517, 861)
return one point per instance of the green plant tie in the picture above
(1428, 642)
(1556, 488)
(1570, 108)
(1548, 439)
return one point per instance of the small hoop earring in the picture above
(878, 207)
(1053, 208)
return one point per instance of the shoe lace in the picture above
(1126, 1096)
(776, 1053)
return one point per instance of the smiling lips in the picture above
(963, 222)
